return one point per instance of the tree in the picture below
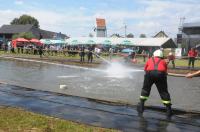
(15, 21)
(143, 35)
(26, 35)
(25, 19)
(130, 35)
(116, 35)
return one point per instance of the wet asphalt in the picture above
(96, 113)
(83, 86)
(98, 83)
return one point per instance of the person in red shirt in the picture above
(192, 54)
(156, 73)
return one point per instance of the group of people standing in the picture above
(89, 53)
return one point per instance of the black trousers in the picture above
(160, 80)
(82, 55)
(90, 57)
(191, 60)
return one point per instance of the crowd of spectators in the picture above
(92, 50)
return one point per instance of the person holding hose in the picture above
(190, 75)
(156, 73)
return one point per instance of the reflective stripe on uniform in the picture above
(144, 97)
(166, 102)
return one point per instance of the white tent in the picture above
(150, 42)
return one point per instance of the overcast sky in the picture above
(76, 18)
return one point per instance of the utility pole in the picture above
(125, 28)
(182, 19)
(180, 35)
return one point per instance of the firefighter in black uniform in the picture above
(90, 54)
(82, 54)
(156, 73)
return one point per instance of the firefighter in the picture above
(82, 54)
(192, 54)
(156, 73)
(171, 58)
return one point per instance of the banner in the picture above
(178, 52)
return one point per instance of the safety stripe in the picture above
(166, 102)
(144, 97)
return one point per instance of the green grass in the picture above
(18, 120)
(178, 62)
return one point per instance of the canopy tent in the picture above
(36, 41)
(90, 42)
(154, 42)
(107, 42)
(74, 41)
(46, 41)
(58, 41)
(21, 40)
(149, 42)
(126, 42)
(53, 41)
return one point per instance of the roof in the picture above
(161, 34)
(149, 42)
(49, 34)
(12, 29)
(189, 25)
(100, 22)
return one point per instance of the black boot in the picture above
(140, 107)
(169, 110)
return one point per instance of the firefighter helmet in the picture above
(158, 53)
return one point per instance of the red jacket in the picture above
(192, 53)
(162, 66)
(171, 57)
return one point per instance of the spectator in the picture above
(144, 55)
(192, 54)
(110, 53)
(82, 54)
(90, 55)
(40, 50)
(171, 58)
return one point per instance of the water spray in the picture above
(102, 58)
(117, 70)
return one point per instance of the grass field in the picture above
(18, 120)
(178, 62)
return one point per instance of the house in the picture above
(100, 29)
(190, 35)
(161, 34)
(7, 31)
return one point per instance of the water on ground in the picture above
(116, 83)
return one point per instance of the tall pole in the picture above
(125, 27)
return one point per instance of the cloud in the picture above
(149, 17)
(19, 2)
(8, 15)
(82, 8)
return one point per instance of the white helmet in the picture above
(158, 53)
(170, 53)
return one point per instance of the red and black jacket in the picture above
(156, 63)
